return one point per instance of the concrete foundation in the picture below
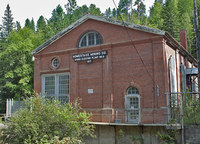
(128, 134)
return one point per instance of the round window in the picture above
(55, 63)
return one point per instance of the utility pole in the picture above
(197, 42)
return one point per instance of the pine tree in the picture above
(94, 10)
(18, 25)
(123, 7)
(108, 13)
(185, 17)
(27, 23)
(170, 18)
(155, 19)
(32, 25)
(71, 6)
(141, 9)
(8, 24)
(41, 23)
(56, 22)
(114, 13)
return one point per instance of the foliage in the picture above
(167, 138)
(155, 19)
(18, 25)
(8, 23)
(41, 23)
(191, 109)
(16, 74)
(49, 122)
(170, 18)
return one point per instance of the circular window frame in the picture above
(51, 65)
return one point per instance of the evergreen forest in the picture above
(17, 41)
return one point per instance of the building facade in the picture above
(119, 71)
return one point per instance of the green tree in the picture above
(170, 18)
(41, 23)
(94, 10)
(71, 6)
(8, 24)
(114, 13)
(57, 21)
(185, 17)
(123, 7)
(155, 19)
(32, 25)
(45, 122)
(27, 23)
(18, 25)
(141, 9)
(108, 13)
(16, 74)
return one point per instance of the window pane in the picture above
(91, 39)
(55, 63)
(83, 42)
(63, 88)
(132, 90)
(134, 114)
(98, 39)
(50, 86)
(134, 102)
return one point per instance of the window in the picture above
(132, 102)
(56, 86)
(173, 80)
(172, 66)
(89, 39)
(55, 63)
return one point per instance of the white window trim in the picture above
(56, 85)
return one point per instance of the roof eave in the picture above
(181, 49)
(98, 18)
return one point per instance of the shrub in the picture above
(46, 122)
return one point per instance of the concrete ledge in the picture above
(126, 124)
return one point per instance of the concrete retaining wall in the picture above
(115, 134)
(192, 134)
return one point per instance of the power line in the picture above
(134, 45)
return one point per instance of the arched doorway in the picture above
(132, 105)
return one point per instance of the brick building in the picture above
(120, 71)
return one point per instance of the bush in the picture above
(47, 122)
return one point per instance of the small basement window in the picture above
(90, 38)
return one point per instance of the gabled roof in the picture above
(97, 18)
(166, 35)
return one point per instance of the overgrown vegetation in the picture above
(191, 109)
(47, 122)
(169, 137)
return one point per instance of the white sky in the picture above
(23, 9)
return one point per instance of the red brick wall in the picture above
(110, 77)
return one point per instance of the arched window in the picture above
(89, 39)
(132, 102)
(132, 90)
(172, 66)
